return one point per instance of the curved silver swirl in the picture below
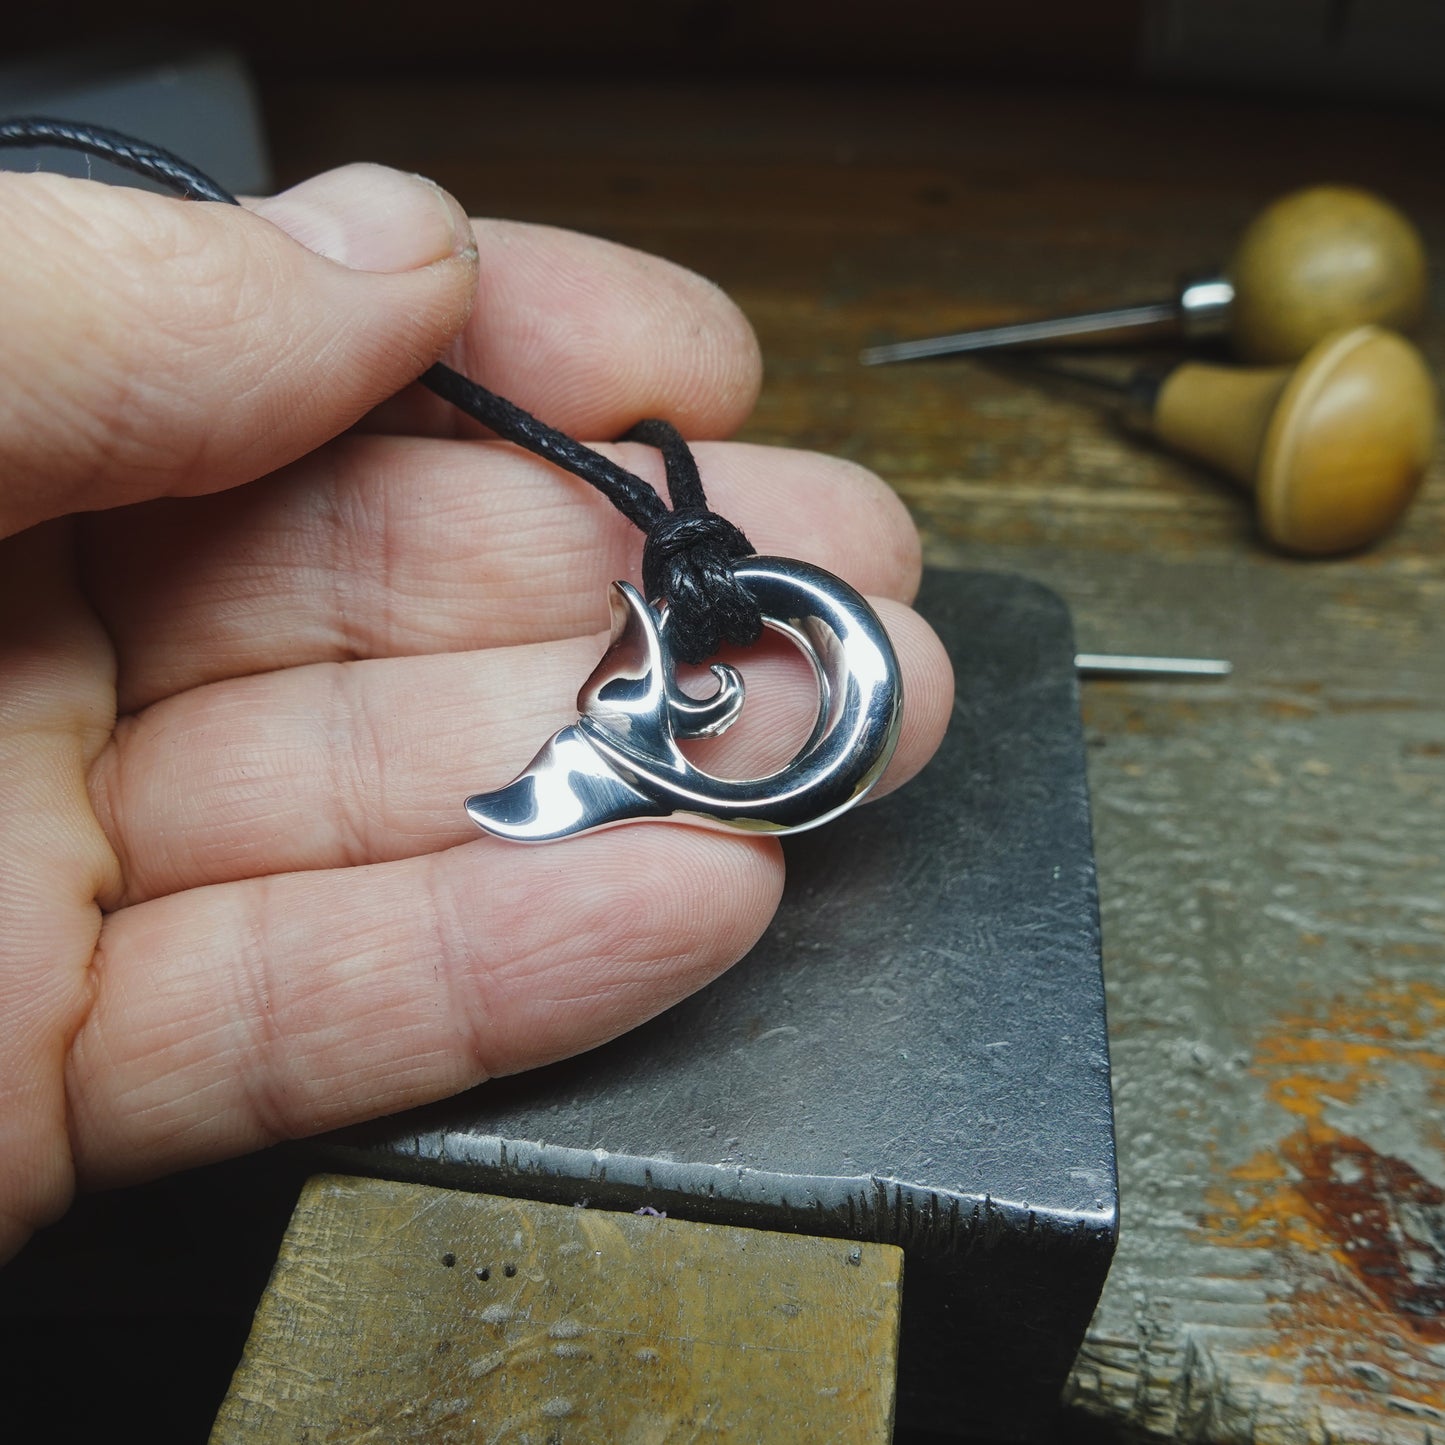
(620, 761)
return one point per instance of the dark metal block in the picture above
(915, 1053)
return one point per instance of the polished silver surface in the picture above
(621, 762)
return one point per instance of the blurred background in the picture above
(1376, 48)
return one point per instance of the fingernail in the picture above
(372, 218)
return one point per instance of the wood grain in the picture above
(1270, 849)
(402, 1312)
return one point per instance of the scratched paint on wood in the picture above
(1361, 1233)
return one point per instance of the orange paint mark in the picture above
(1260, 1167)
(1272, 1219)
(1307, 1096)
(1312, 1060)
(1384, 1217)
(1352, 1239)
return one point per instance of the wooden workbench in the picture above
(1271, 850)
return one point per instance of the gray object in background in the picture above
(201, 105)
(915, 1053)
(1390, 50)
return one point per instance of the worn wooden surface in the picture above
(402, 1312)
(1270, 849)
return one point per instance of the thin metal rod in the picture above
(1155, 318)
(1110, 664)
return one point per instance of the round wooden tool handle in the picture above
(1318, 261)
(1333, 448)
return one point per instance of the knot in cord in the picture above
(688, 556)
(688, 559)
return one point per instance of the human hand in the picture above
(239, 898)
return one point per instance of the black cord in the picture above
(688, 555)
(132, 155)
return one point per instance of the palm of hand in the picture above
(241, 901)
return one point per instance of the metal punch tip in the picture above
(1111, 664)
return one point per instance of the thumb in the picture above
(156, 347)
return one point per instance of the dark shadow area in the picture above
(643, 39)
(135, 1307)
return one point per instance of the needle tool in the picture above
(1117, 664)
(1316, 261)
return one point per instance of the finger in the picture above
(382, 547)
(55, 715)
(227, 1018)
(158, 347)
(591, 337)
(326, 766)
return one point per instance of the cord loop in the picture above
(687, 559)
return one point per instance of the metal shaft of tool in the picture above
(1159, 318)
(1109, 664)
(1199, 310)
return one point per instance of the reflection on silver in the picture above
(620, 761)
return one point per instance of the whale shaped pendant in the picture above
(620, 761)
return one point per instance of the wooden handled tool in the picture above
(1314, 262)
(1333, 448)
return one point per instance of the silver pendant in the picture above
(620, 761)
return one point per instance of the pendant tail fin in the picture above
(569, 787)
